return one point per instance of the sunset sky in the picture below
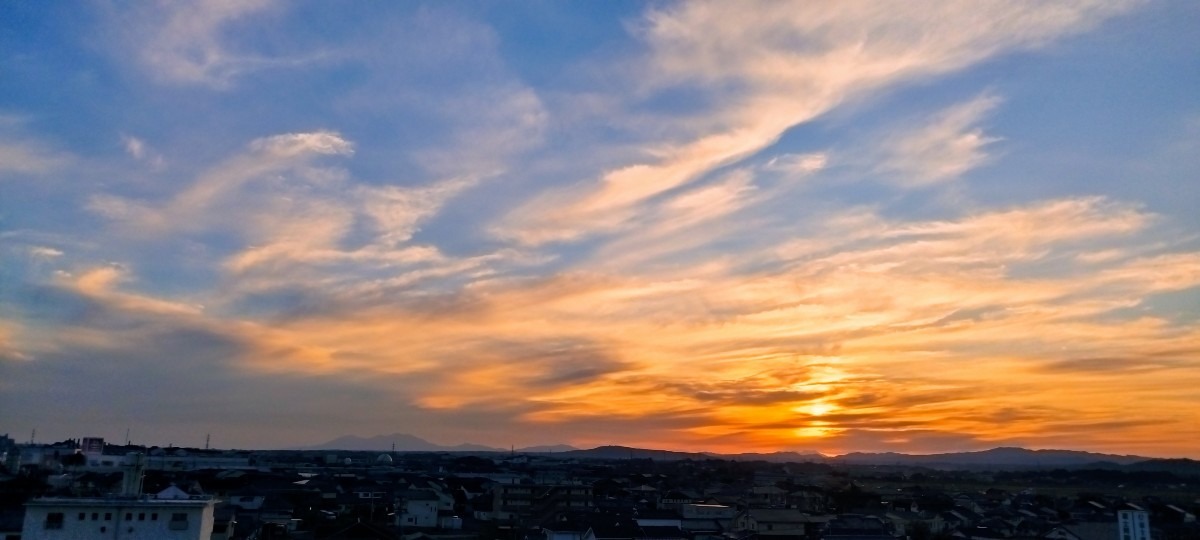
(726, 226)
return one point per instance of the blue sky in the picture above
(703, 226)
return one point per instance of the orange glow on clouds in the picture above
(566, 266)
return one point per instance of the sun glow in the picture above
(816, 430)
(818, 408)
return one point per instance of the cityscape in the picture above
(606, 270)
(79, 488)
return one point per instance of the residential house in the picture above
(127, 517)
(857, 527)
(417, 508)
(1091, 530)
(767, 497)
(777, 522)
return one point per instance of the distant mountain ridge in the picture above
(404, 442)
(1003, 457)
(626, 452)
(776, 457)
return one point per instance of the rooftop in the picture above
(120, 501)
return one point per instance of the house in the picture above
(857, 527)
(1134, 524)
(807, 499)
(707, 511)
(1180, 514)
(444, 495)
(532, 501)
(1092, 530)
(509, 501)
(903, 519)
(566, 527)
(10, 523)
(615, 529)
(417, 508)
(130, 518)
(224, 522)
(658, 518)
(707, 518)
(449, 520)
(778, 522)
(172, 492)
(767, 496)
(674, 500)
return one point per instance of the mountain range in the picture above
(1004, 457)
(404, 442)
(996, 457)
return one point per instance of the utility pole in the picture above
(207, 436)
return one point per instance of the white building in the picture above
(118, 517)
(1133, 524)
(417, 508)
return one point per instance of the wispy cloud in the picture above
(196, 42)
(24, 154)
(140, 150)
(798, 164)
(950, 144)
(29, 158)
(818, 352)
(780, 65)
(190, 209)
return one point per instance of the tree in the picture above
(74, 460)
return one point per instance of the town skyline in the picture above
(412, 443)
(697, 226)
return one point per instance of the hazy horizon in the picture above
(317, 446)
(694, 226)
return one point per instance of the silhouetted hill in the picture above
(775, 457)
(996, 457)
(625, 452)
(403, 441)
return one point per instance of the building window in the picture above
(108, 516)
(95, 516)
(82, 516)
(141, 516)
(179, 521)
(128, 516)
(54, 520)
(154, 516)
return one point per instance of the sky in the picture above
(703, 226)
